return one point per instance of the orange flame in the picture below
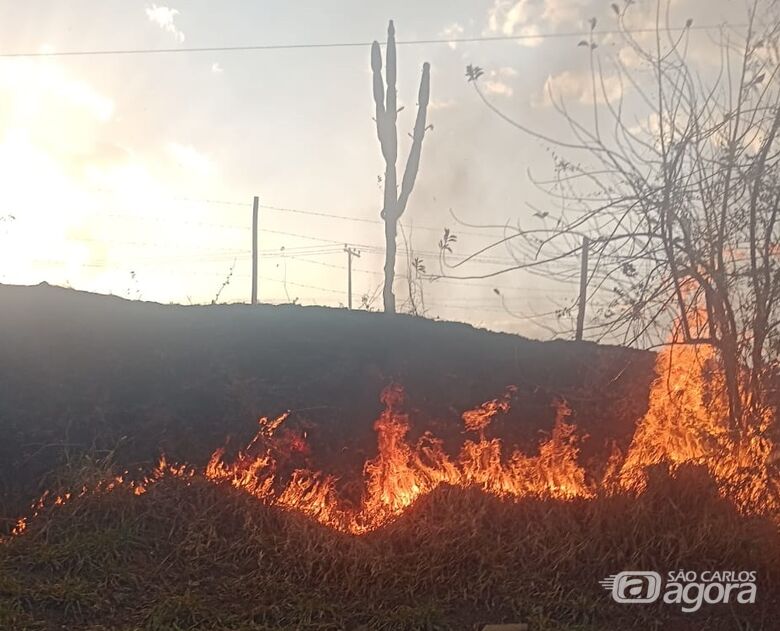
(402, 472)
(684, 423)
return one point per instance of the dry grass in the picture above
(199, 556)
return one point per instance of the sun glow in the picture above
(78, 207)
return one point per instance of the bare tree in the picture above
(678, 204)
(395, 201)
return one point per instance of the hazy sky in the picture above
(116, 167)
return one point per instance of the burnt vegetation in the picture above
(492, 508)
(190, 555)
(193, 553)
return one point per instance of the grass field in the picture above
(92, 385)
(189, 554)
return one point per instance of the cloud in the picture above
(164, 18)
(216, 68)
(495, 86)
(505, 16)
(435, 105)
(629, 57)
(558, 12)
(453, 31)
(567, 86)
(190, 159)
(530, 17)
(496, 81)
(54, 108)
(35, 85)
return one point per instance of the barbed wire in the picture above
(299, 211)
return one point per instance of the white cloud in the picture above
(505, 15)
(629, 57)
(496, 81)
(216, 68)
(434, 105)
(34, 86)
(190, 159)
(498, 87)
(530, 17)
(558, 12)
(567, 86)
(56, 111)
(453, 31)
(529, 33)
(164, 18)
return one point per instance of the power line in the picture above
(399, 278)
(364, 44)
(241, 255)
(299, 211)
(159, 244)
(334, 266)
(320, 213)
(195, 273)
(368, 248)
(330, 215)
(469, 305)
(334, 245)
(438, 281)
(229, 252)
(164, 219)
(429, 253)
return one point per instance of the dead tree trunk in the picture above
(386, 119)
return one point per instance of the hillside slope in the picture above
(85, 372)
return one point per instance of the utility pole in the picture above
(255, 206)
(583, 288)
(350, 253)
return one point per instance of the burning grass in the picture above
(189, 554)
(684, 424)
(402, 471)
(431, 540)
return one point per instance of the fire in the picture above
(685, 423)
(479, 418)
(107, 485)
(403, 471)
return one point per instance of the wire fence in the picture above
(303, 266)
